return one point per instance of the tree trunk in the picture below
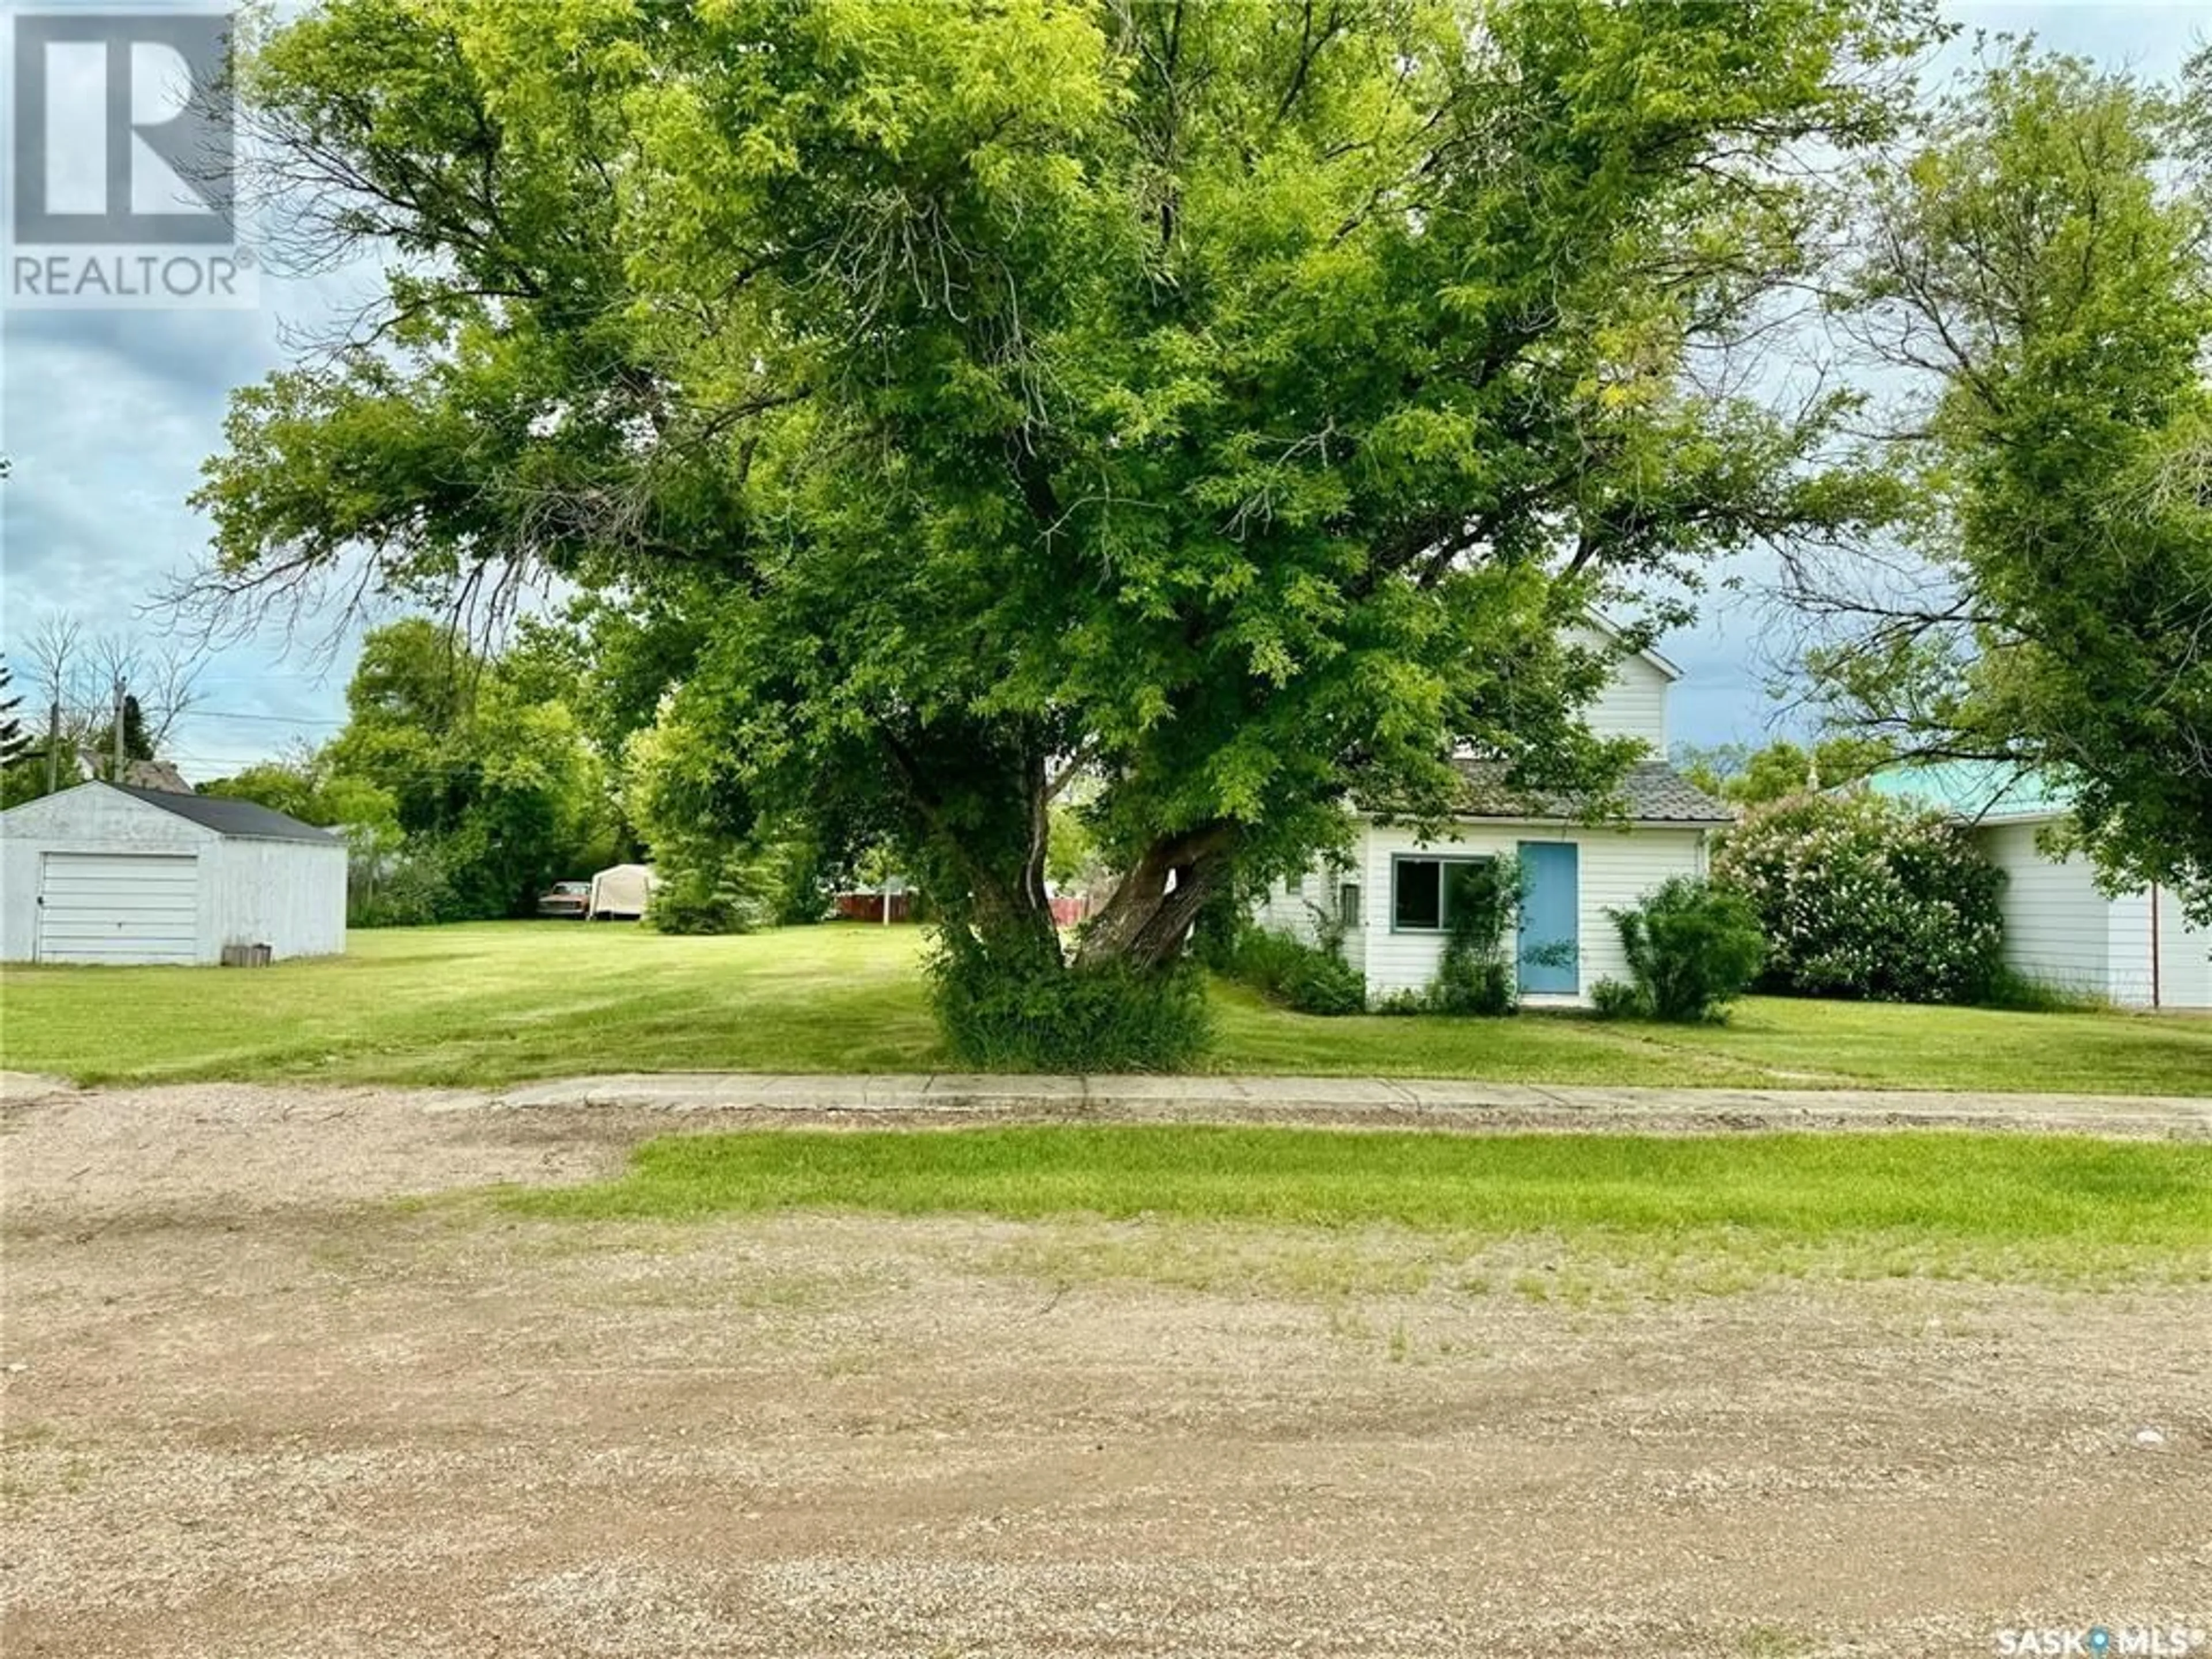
(1007, 907)
(1146, 921)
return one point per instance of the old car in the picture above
(566, 898)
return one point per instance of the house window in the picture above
(1347, 905)
(1418, 890)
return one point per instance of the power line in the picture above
(275, 720)
(195, 711)
(380, 775)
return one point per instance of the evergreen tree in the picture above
(14, 741)
(137, 742)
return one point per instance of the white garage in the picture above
(110, 874)
(2136, 950)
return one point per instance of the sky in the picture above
(107, 416)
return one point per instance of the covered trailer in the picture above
(622, 893)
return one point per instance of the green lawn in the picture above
(498, 1002)
(1980, 1203)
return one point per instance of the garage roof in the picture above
(229, 818)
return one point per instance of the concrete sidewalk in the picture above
(1370, 1101)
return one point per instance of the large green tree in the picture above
(307, 785)
(2040, 263)
(487, 771)
(473, 770)
(1737, 773)
(1224, 402)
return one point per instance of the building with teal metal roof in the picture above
(1980, 792)
(2132, 949)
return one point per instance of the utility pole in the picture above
(121, 696)
(53, 747)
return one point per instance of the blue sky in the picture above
(108, 416)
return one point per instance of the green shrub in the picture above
(704, 900)
(1025, 1010)
(1862, 896)
(1261, 958)
(1327, 985)
(409, 890)
(1221, 923)
(1476, 975)
(1616, 999)
(704, 888)
(1693, 948)
(1403, 1002)
(1309, 978)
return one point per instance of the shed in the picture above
(109, 873)
(2134, 948)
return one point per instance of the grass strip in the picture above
(1793, 1189)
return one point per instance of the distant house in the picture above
(93, 767)
(155, 774)
(2134, 949)
(1393, 896)
(109, 873)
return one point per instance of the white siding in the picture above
(2059, 928)
(2185, 958)
(1288, 907)
(2184, 979)
(1284, 908)
(2057, 924)
(288, 895)
(1618, 868)
(1634, 703)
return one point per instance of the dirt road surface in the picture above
(254, 1408)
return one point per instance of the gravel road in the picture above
(253, 1409)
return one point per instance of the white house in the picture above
(107, 873)
(2134, 949)
(1394, 892)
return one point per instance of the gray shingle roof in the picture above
(230, 818)
(1650, 792)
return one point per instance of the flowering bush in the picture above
(1862, 896)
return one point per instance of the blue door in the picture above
(1551, 898)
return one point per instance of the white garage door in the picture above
(118, 907)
